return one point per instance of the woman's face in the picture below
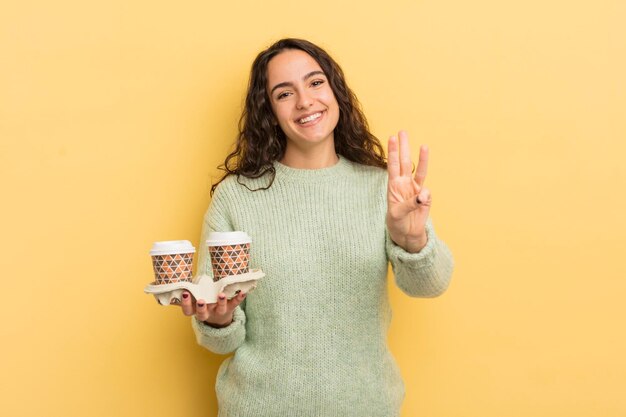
(303, 102)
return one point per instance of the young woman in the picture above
(309, 183)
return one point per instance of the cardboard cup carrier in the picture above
(229, 255)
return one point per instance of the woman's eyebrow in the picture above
(289, 84)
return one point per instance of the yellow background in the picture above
(114, 116)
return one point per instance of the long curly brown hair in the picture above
(261, 141)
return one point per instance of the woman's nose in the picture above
(304, 101)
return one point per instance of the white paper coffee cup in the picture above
(229, 252)
(172, 261)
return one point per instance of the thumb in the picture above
(424, 198)
(420, 201)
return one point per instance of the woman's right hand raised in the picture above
(219, 314)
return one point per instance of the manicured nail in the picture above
(185, 295)
(222, 297)
(200, 305)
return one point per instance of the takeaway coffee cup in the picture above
(229, 252)
(172, 261)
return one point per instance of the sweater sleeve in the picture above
(224, 340)
(227, 339)
(426, 273)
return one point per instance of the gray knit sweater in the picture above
(310, 340)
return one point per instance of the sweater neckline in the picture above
(319, 174)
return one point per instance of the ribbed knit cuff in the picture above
(426, 273)
(397, 255)
(223, 340)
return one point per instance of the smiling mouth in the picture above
(310, 118)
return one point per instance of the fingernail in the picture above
(200, 305)
(417, 200)
(222, 297)
(185, 295)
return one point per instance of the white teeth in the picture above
(310, 118)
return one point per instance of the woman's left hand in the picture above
(408, 201)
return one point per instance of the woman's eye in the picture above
(317, 82)
(282, 95)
